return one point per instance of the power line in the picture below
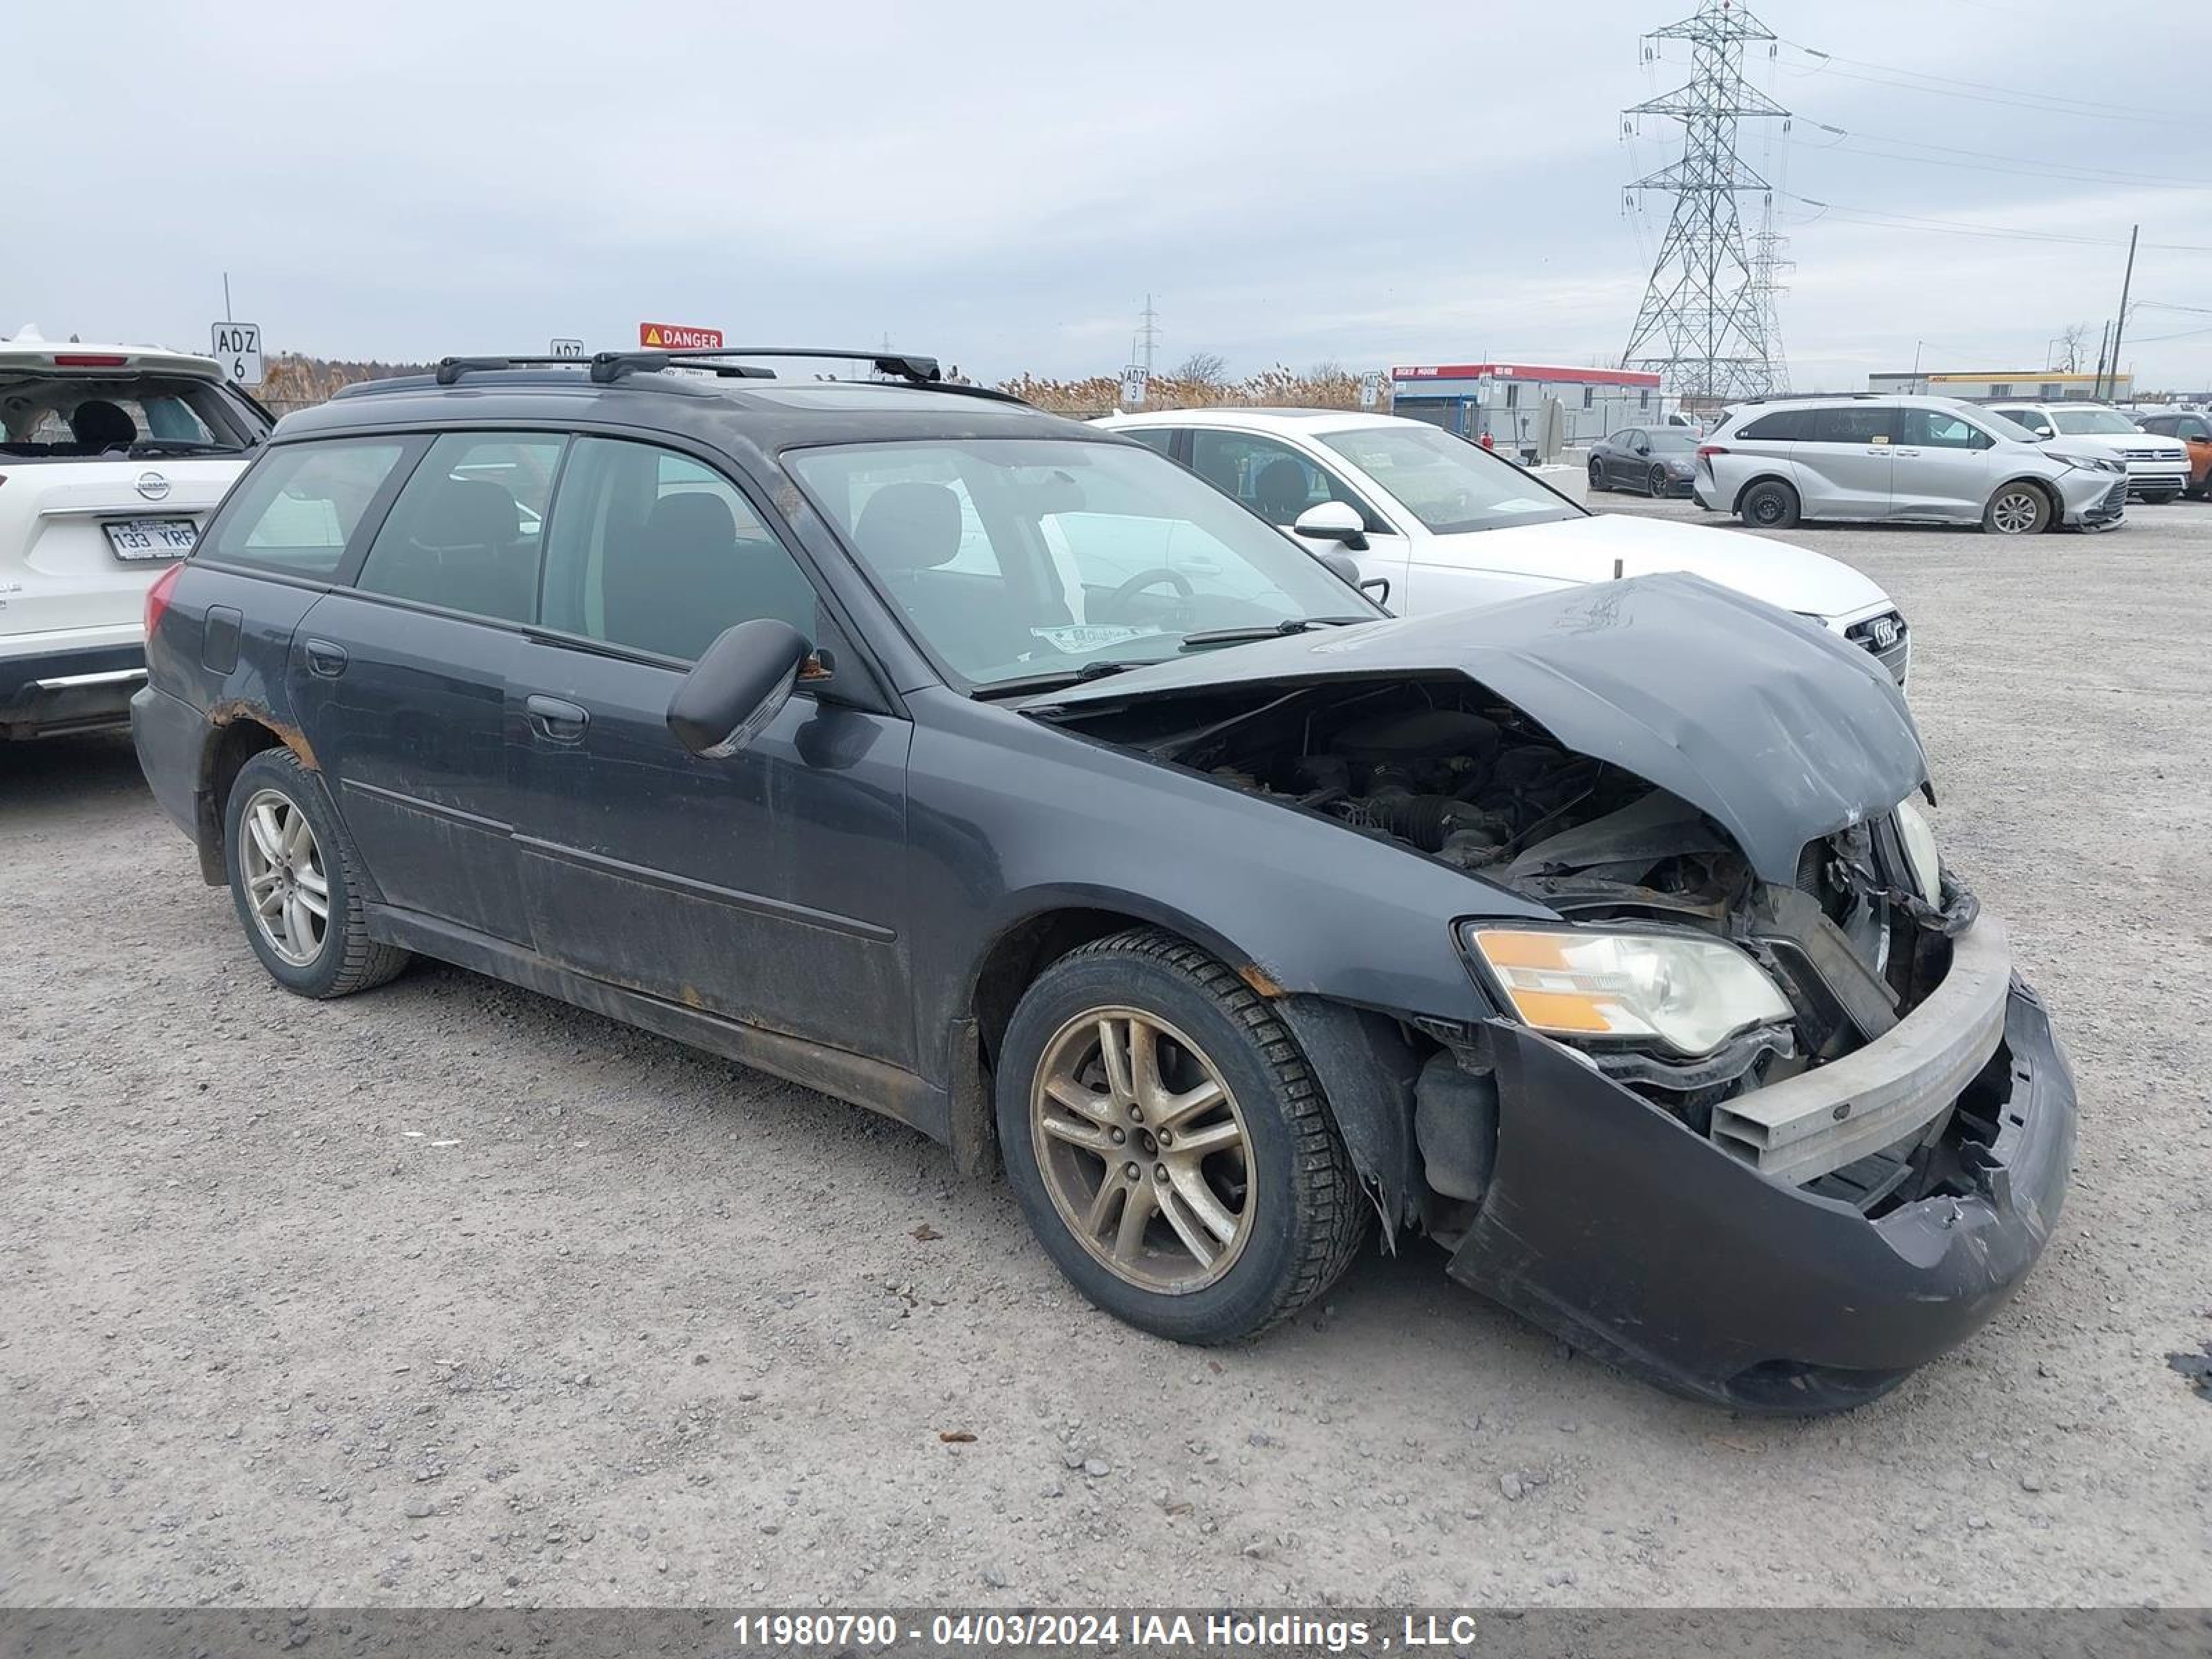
(1984, 92)
(2028, 167)
(2002, 233)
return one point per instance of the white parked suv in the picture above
(110, 459)
(1449, 524)
(2158, 467)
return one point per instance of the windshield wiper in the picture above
(1058, 677)
(1268, 630)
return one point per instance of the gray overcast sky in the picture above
(1001, 184)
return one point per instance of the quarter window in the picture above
(298, 509)
(1784, 426)
(467, 532)
(651, 550)
(1161, 438)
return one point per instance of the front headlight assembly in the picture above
(1919, 838)
(1689, 994)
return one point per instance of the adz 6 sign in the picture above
(237, 349)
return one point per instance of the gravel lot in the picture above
(449, 1291)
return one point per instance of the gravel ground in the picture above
(450, 1293)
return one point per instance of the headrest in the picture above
(96, 421)
(694, 521)
(1281, 484)
(466, 512)
(909, 526)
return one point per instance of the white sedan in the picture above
(1450, 525)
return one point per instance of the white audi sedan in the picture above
(1450, 525)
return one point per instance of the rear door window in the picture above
(467, 532)
(296, 512)
(1857, 424)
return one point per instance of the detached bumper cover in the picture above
(1609, 1224)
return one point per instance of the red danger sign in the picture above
(674, 336)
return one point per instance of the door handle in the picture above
(556, 720)
(1905, 452)
(325, 661)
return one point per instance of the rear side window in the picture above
(651, 550)
(296, 511)
(1784, 426)
(465, 532)
(1161, 438)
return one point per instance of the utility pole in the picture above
(2120, 322)
(1706, 320)
(2104, 341)
(226, 296)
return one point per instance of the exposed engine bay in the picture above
(1448, 770)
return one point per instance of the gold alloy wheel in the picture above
(1142, 1148)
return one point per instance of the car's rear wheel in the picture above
(1770, 504)
(1169, 1144)
(1597, 475)
(1658, 484)
(293, 879)
(2017, 509)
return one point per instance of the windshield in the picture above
(1447, 482)
(46, 416)
(2079, 421)
(1024, 559)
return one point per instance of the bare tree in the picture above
(2072, 344)
(1202, 368)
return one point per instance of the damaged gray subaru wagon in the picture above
(992, 772)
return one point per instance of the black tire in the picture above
(1597, 475)
(1307, 1213)
(2018, 509)
(2159, 498)
(346, 959)
(1657, 482)
(1770, 504)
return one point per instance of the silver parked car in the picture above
(1903, 460)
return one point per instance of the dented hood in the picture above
(1779, 730)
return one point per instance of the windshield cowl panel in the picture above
(1022, 561)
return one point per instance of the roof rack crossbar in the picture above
(613, 365)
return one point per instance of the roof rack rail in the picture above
(450, 370)
(613, 365)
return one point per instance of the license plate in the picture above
(151, 538)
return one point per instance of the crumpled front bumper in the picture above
(1608, 1223)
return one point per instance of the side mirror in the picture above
(1643, 447)
(740, 684)
(1333, 521)
(1342, 566)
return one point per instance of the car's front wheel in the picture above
(2160, 497)
(1770, 504)
(1169, 1144)
(295, 879)
(2017, 509)
(1597, 475)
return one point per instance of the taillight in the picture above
(89, 360)
(1712, 449)
(157, 597)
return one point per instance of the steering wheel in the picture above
(1118, 600)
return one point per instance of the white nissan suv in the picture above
(110, 459)
(1451, 525)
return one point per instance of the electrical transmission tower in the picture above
(1706, 323)
(1770, 262)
